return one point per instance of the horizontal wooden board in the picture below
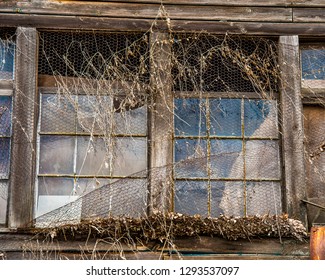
(134, 10)
(309, 15)
(122, 24)
(279, 3)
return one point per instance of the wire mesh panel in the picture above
(93, 130)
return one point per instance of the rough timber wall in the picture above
(254, 16)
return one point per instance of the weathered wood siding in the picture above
(268, 17)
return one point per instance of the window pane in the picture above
(7, 54)
(262, 159)
(133, 121)
(191, 197)
(190, 158)
(190, 117)
(56, 155)
(55, 186)
(93, 114)
(5, 115)
(227, 159)
(85, 185)
(3, 201)
(260, 118)
(263, 198)
(92, 156)
(4, 157)
(58, 114)
(130, 157)
(313, 64)
(225, 117)
(227, 198)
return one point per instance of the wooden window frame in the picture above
(160, 145)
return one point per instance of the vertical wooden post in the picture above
(24, 124)
(292, 127)
(161, 126)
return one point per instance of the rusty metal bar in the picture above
(317, 242)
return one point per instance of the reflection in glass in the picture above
(56, 155)
(227, 159)
(313, 64)
(191, 197)
(190, 117)
(190, 158)
(225, 117)
(7, 55)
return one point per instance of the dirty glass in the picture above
(76, 156)
(313, 64)
(7, 55)
(239, 145)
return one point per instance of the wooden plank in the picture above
(123, 24)
(216, 245)
(292, 127)
(235, 257)
(23, 139)
(134, 10)
(309, 15)
(281, 3)
(161, 123)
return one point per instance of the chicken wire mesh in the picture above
(93, 141)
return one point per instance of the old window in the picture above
(93, 129)
(7, 54)
(226, 145)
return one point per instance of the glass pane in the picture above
(55, 186)
(190, 158)
(57, 114)
(191, 197)
(3, 201)
(133, 121)
(93, 114)
(260, 118)
(48, 203)
(93, 156)
(227, 159)
(130, 157)
(7, 55)
(5, 115)
(262, 159)
(225, 117)
(313, 64)
(4, 157)
(263, 198)
(56, 155)
(190, 117)
(230, 195)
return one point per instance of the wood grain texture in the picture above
(136, 10)
(23, 140)
(292, 127)
(309, 15)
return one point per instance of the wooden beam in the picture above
(152, 11)
(279, 3)
(123, 24)
(23, 139)
(161, 123)
(292, 127)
